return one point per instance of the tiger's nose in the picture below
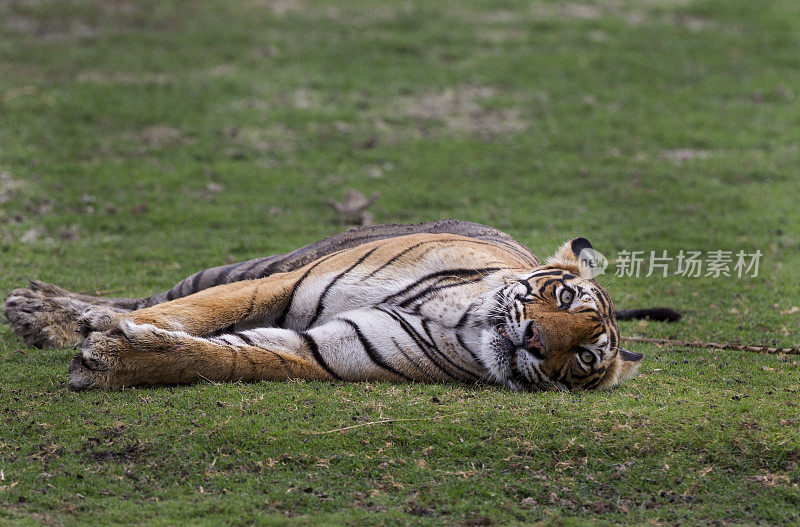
(532, 341)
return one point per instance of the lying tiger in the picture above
(440, 301)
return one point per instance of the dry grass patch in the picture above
(136, 79)
(276, 138)
(161, 135)
(459, 110)
(681, 155)
(650, 12)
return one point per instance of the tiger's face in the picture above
(554, 327)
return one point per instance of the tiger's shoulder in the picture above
(424, 273)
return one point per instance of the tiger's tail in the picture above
(661, 314)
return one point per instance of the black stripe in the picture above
(586, 376)
(410, 360)
(527, 256)
(549, 282)
(234, 357)
(433, 289)
(418, 339)
(247, 340)
(445, 357)
(171, 294)
(594, 382)
(562, 371)
(224, 339)
(409, 249)
(494, 243)
(282, 319)
(320, 302)
(546, 272)
(602, 300)
(312, 345)
(455, 273)
(539, 375)
(612, 340)
(467, 313)
(372, 353)
(253, 265)
(599, 330)
(474, 355)
(609, 302)
(537, 296)
(406, 326)
(222, 331)
(396, 257)
(222, 278)
(187, 284)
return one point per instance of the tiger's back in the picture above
(355, 237)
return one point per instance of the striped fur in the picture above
(447, 301)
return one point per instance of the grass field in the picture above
(142, 141)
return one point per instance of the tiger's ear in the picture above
(629, 365)
(576, 256)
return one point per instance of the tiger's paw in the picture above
(45, 316)
(92, 368)
(124, 354)
(97, 319)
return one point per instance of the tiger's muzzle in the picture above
(533, 343)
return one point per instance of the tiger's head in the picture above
(555, 327)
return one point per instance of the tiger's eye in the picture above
(566, 296)
(587, 357)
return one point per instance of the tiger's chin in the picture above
(509, 364)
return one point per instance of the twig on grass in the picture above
(215, 383)
(382, 421)
(760, 348)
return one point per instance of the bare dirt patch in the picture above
(119, 454)
(68, 29)
(458, 109)
(281, 8)
(633, 13)
(160, 135)
(10, 188)
(684, 154)
(275, 138)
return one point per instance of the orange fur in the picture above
(422, 287)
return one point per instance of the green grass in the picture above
(546, 120)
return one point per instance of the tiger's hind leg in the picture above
(46, 316)
(131, 354)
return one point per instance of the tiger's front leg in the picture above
(382, 343)
(142, 354)
(206, 312)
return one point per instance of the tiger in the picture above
(445, 301)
